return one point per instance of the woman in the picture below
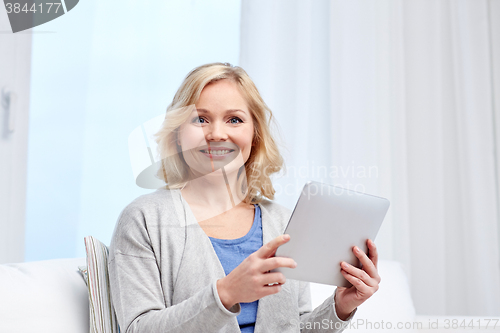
(196, 256)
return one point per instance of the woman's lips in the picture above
(217, 154)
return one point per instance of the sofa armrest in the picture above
(388, 309)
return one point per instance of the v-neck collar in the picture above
(267, 305)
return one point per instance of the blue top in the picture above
(231, 253)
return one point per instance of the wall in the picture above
(97, 73)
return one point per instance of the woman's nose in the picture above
(216, 132)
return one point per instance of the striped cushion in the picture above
(102, 313)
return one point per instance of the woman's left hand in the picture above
(364, 281)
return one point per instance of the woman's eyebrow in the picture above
(230, 111)
(227, 111)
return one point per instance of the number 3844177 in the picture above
(472, 323)
(18, 8)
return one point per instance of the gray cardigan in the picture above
(163, 272)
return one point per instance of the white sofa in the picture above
(51, 296)
(44, 296)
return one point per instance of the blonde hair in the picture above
(265, 158)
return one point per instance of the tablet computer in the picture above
(325, 225)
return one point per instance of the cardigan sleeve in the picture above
(137, 293)
(324, 317)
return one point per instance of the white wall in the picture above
(98, 72)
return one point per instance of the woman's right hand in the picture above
(250, 280)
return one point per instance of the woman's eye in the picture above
(198, 120)
(235, 120)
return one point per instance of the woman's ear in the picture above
(178, 143)
(177, 140)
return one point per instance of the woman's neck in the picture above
(213, 194)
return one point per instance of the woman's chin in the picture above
(215, 169)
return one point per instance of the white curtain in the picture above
(399, 99)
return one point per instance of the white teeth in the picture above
(216, 152)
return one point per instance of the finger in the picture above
(372, 252)
(269, 249)
(359, 273)
(357, 283)
(368, 265)
(271, 278)
(269, 290)
(275, 262)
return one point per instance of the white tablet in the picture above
(325, 225)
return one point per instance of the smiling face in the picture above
(219, 132)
